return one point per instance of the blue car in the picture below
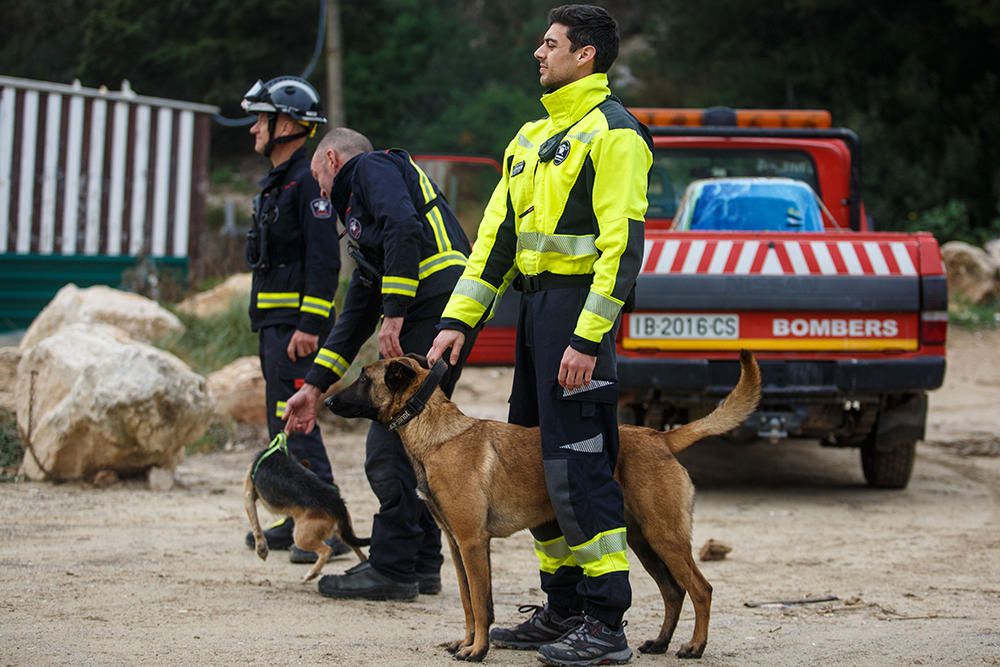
(749, 204)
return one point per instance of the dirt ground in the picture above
(122, 575)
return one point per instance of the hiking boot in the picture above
(279, 535)
(543, 627)
(363, 582)
(429, 583)
(591, 643)
(297, 555)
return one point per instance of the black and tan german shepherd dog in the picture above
(287, 488)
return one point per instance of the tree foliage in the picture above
(919, 81)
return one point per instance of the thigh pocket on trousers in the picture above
(589, 396)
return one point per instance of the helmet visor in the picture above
(257, 98)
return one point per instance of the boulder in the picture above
(90, 398)
(972, 274)
(141, 318)
(218, 299)
(9, 357)
(992, 248)
(238, 391)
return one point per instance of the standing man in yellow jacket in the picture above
(565, 226)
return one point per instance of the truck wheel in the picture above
(887, 468)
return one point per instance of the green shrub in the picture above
(952, 222)
(209, 343)
(221, 432)
(11, 446)
(971, 316)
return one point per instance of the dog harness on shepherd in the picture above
(280, 443)
(418, 401)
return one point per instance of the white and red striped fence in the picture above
(88, 171)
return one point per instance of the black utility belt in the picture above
(547, 281)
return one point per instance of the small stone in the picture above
(105, 478)
(160, 479)
(714, 550)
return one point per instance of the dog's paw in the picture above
(653, 647)
(469, 654)
(452, 647)
(690, 650)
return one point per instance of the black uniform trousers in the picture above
(282, 378)
(405, 539)
(579, 447)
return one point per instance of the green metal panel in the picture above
(28, 282)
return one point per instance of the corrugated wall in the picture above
(89, 173)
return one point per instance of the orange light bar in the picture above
(721, 116)
(688, 117)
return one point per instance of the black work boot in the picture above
(297, 555)
(429, 583)
(593, 642)
(544, 626)
(363, 582)
(278, 535)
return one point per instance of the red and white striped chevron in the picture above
(801, 257)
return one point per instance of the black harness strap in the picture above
(418, 401)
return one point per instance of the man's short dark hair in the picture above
(589, 25)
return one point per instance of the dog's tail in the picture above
(349, 538)
(338, 508)
(737, 406)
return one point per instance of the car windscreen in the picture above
(744, 205)
(673, 169)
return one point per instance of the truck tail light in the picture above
(934, 327)
(933, 310)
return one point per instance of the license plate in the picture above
(706, 326)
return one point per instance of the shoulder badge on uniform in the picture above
(321, 208)
(561, 153)
(354, 228)
(517, 169)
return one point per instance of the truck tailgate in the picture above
(847, 306)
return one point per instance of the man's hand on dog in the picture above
(388, 337)
(300, 410)
(302, 345)
(446, 338)
(576, 369)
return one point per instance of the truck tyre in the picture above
(887, 468)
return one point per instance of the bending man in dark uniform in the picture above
(565, 225)
(410, 251)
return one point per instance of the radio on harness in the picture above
(256, 253)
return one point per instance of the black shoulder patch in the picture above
(619, 118)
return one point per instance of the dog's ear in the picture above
(398, 376)
(420, 359)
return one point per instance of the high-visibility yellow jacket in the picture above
(577, 210)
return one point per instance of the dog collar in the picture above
(418, 401)
(280, 443)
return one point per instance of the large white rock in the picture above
(238, 391)
(90, 398)
(992, 248)
(972, 273)
(218, 299)
(141, 318)
(9, 358)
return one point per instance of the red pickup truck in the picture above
(848, 324)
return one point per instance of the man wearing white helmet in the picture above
(294, 253)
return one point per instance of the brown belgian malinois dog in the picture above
(483, 479)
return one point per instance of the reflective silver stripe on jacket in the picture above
(563, 244)
(602, 306)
